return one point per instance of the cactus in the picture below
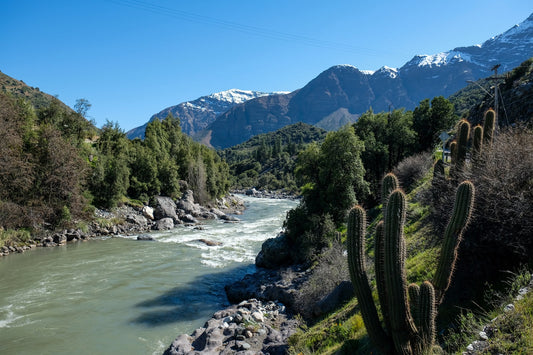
(402, 325)
(462, 209)
(477, 142)
(438, 170)
(462, 144)
(453, 151)
(414, 294)
(389, 183)
(379, 267)
(488, 127)
(426, 315)
(356, 265)
(410, 322)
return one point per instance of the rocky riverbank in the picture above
(267, 194)
(163, 214)
(250, 327)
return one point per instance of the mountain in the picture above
(196, 115)
(342, 92)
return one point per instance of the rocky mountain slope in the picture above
(197, 114)
(353, 91)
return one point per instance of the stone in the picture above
(165, 208)
(509, 308)
(210, 243)
(189, 219)
(145, 237)
(258, 317)
(248, 333)
(274, 253)
(186, 203)
(148, 212)
(230, 218)
(483, 336)
(164, 224)
(137, 219)
(245, 346)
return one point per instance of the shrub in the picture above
(412, 169)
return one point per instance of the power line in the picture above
(252, 30)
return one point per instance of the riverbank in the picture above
(164, 214)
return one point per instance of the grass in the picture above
(513, 330)
(341, 332)
(12, 237)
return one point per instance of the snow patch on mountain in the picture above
(387, 71)
(443, 58)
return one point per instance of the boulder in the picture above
(165, 208)
(186, 203)
(137, 219)
(145, 237)
(164, 224)
(148, 212)
(274, 253)
(210, 243)
(188, 219)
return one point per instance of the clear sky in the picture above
(132, 58)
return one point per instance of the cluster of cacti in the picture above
(408, 311)
(481, 136)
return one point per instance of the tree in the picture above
(82, 106)
(429, 121)
(388, 139)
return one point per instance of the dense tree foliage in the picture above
(54, 164)
(267, 161)
(388, 138)
(332, 178)
(430, 121)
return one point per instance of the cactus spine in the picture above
(477, 142)
(356, 264)
(488, 127)
(410, 321)
(462, 209)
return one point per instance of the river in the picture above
(123, 296)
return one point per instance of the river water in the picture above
(123, 296)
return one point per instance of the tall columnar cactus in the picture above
(477, 142)
(356, 265)
(410, 321)
(453, 151)
(389, 183)
(426, 315)
(463, 134)
(462, 209)
(488, 127)
(438, 170)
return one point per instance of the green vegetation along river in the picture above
(123, 296)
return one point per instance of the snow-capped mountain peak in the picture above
(387, 71)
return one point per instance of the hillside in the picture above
(19, 89)
(267, 161)
(346, 87)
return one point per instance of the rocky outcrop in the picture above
(164, 224)
(282, 285)
(275, 252)
(251, 327)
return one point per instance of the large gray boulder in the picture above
(186, 203)
(137, 219)
(164, 224)
(274, 253)
(165, 208)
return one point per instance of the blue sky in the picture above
(132, 58)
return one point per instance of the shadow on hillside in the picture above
(198, 298)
